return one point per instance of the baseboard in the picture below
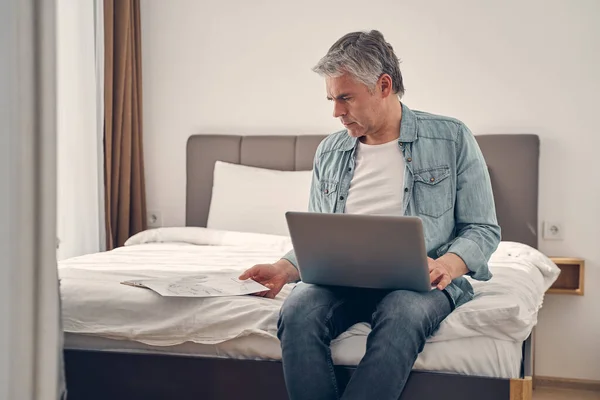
(566, 383)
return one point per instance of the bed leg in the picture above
(521, 389)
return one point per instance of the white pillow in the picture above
(250, 199)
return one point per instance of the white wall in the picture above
(501, 67)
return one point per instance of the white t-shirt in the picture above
(377, 187)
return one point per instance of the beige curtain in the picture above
(125, 193)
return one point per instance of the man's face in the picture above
(358, 109)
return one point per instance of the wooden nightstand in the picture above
(570, 280)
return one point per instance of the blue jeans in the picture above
(313, 315)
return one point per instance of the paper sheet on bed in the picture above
(199, 286)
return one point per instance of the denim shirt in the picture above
(446, 184)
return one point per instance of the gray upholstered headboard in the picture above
(512, 162)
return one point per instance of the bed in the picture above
(124, 342)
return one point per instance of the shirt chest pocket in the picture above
(329, 192)
(433, 191)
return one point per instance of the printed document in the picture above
(199, 286)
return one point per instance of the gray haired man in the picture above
(388, 160)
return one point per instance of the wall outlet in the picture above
(154, 219)
(552, 231)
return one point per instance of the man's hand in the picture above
(446, 268)
(439, 274)
(273, 276)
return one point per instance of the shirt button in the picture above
(349, 169)
(341, 197)
(326, 191)
(432, 179)
(405, 190)
(409, 159)
(401, 144)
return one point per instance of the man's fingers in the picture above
(265, 293)
(249, 273)
(245, 275)
(445, 281)
(439, 278)
(435, 275)
(430, 263)
(273, 291)
(268, 294)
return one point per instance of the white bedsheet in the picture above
(94, 303)
(480, 356)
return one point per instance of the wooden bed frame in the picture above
(96, 374)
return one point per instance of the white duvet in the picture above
(95, 303)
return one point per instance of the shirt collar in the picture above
(408, 125)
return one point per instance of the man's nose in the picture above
(338, 109)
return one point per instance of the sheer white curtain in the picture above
(80, 89)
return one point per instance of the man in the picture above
(394, 161)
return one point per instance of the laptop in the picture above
(362, 251)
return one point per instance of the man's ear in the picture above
(385, 85)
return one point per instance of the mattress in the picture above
(480, 356)
(96, 306)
